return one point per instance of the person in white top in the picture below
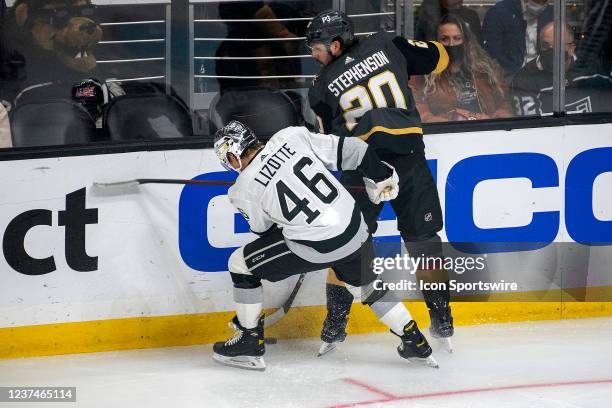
(307, 221)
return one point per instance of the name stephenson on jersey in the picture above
(357, 72)
(288, 185)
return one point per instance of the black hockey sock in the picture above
(436, 298)
(339, 300)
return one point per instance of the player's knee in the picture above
(241, 276)
(237, 264)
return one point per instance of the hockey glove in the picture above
(384, 190)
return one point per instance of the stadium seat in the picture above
(146, 117)
(53, 122)
(264, 110)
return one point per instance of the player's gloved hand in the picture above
(384, 190)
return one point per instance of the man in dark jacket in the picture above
(509, 32)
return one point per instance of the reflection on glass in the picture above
(590, 73)
(74, 58)
(240, 44)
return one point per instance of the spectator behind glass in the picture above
(432, 11)
(5, 75)
(5, 129)
(260, 51)
(594, 52)
(472, 87)
(509, 32)
(532, 88)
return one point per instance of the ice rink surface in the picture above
(556, 364)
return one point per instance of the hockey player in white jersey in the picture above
(307, 221)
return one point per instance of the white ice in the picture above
(556, 364)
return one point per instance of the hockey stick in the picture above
(136, 182)
(284, 309)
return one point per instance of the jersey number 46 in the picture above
(286, 195)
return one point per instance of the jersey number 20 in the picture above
(358, 100)
(285, 194)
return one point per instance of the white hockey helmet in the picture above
(235, 138)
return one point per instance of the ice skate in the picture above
(414, 346)
(334, 332)
(245, 349)
(339, 301)
(326, 348)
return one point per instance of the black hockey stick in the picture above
(284, 309)
(136, 182)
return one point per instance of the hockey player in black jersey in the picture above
(307, 222)
(362, 91)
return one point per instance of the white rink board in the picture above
(141, 270)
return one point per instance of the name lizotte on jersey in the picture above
(269, 169)
(357, 72)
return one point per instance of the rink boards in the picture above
(85, 269)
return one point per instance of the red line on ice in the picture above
(392, 398)
(370, 388)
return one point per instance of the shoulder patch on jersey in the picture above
(315, 79)
(348, 59)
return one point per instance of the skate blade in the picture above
(428, 362)
(446, 343)
(244, 362)
(326, 348)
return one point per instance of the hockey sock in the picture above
(436, 297)
(393, 314)
(433, 270)
(339, 299)
(248, 306)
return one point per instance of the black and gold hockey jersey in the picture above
(365, 92)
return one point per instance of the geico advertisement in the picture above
(72, 252)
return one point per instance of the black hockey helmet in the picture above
(329, 26)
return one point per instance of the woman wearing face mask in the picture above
(471, 88)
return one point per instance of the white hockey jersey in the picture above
(288, 184)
